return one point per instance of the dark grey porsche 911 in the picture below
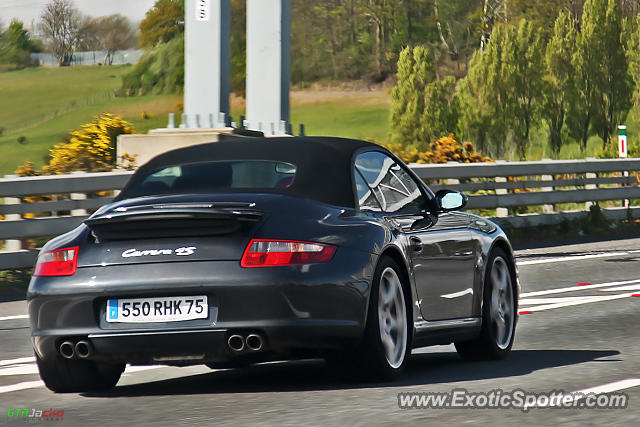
(234, 253)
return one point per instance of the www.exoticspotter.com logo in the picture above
(35, 414)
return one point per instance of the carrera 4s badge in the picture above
(184, 251)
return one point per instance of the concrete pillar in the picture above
(268, 65)
(207, 61)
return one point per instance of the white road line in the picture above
(576, 288)
(26, 369)
(19, 369)
(17, 361)
(635, 287)
(554, 300)
(611, 387)
(19, 316)
(578, 395)
(584, 301)
(576, 258)
(20, 386)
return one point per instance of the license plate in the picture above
(165, 309)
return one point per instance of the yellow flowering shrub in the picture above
(27, 169)
(92, 148)
(443, 150)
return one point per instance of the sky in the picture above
(29, 10)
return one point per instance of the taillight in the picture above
(61, 262)
(272, 253)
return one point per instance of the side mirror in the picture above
(449, 200)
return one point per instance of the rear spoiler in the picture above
(173, 219)
(161, 212)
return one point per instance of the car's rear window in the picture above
(205, 177)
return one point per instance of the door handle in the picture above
(416, 244)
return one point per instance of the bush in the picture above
(442, 150)
(22, 139)
(92, 148)
(160, 70)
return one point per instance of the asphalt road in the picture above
(575, 337)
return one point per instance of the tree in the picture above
(541, 13)
(441, 109)
(88, 34)
(238, 46)
(16, 45)
(559, 91)
(159, 70)
(487, 93)
(617, 85)
(602, 73)
(524, 59)
(632, 32)
(162, 23)
(59, 24)
(415, 72)
(115, 32)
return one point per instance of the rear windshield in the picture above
(209, 177)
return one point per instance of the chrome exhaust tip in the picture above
(83, 349)
(67, 350)
(236, 343)
(254, 342)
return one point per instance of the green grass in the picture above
(337, 119)
(45, 104)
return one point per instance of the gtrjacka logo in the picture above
(35, 414)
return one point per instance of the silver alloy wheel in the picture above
(392, 317)
(502, 306)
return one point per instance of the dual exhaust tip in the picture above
(239, 343)
(81, 349)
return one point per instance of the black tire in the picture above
(370, 359)
(69, 375)
(499, 306)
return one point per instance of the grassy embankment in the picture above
(45, 104)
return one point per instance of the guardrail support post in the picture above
(12, 245)
(501, 212)
(78, 196)
(548, 208)
(453, 181)
(625, 202)
(590, 175)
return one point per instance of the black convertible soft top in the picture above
(323, 164)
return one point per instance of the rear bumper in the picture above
(295, 339)
(296, 309)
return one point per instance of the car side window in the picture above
(392, 186)
(366, 199)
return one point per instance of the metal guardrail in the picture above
(503, 185)
(73, 195)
